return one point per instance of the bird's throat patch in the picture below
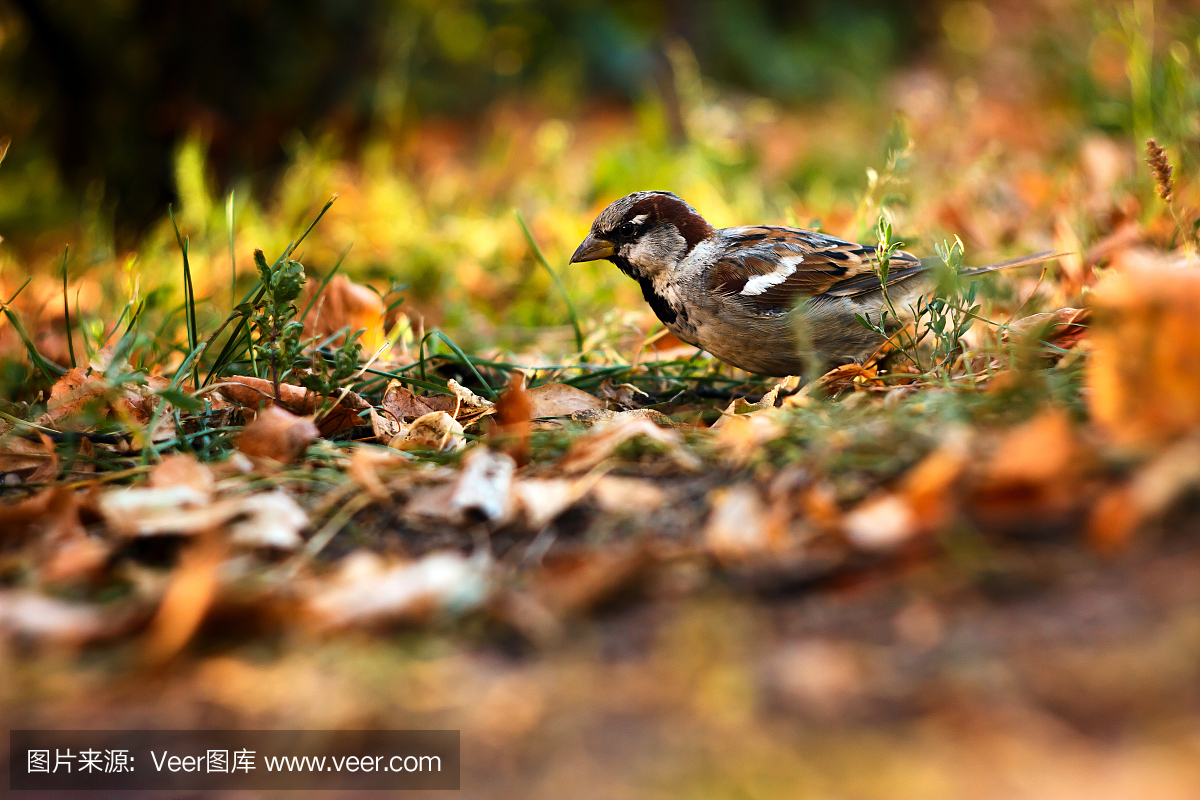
(658, 304)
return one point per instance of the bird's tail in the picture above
(1012, 263)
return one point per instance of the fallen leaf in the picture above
(255, 392)
(588, 451)
(21, 456)
(540, 501)
(436, 431)
(632, 497)
(928, 486)
(1153, 490)
(264, 519)
(365, 461)
(35, 616)
(399, 401)
(880, 524)
(1064, 328)
(513, 414)
(77, 392)
(1035, 473)
(742, 436)
(346, 306)
(277, 435)
(182, 469)
(1144, 373)
(42, 512)
(468, 398)
(842, 378)
(599, 416)
(484, 486)
(439, 582)
(740, 526)
(47, 471)
(625, 395)
(384, 427)
(573, 584)
(188, 597)
(560, 400)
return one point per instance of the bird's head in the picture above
(644, 233)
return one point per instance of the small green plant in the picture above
(279, 344)
(895, 330)
(948, 314)
(273, 319)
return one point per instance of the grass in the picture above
(482, 250)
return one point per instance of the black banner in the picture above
(232, 760)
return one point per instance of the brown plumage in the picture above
(768, 299)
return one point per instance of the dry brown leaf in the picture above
(1036, 473)
(1063, 328)
(589, 451)
(346, 305)
(881, 523)
(632, 497)
(365, 463)
(35, 616)
(21, 456)
(47, 471)
(182, 469)
(434, 431)
(928, 487)
(53, 509)
(1144, 373)
(573, 584)
(466, 397)
(840, 379)
(602, 417)
(539, 501)
(254, 392)
(79, 557)
(740, 526)
(439, 582)
(265, 519)
(482, 491)
(560, 400)
(742, 436)
(1154, 489)
(513, 414)
(384, 427)
(189, 595)
(625, 395)
(277, 435)
(73, 394)
(403, 406)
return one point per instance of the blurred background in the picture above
(433, 121)
(1016, 126)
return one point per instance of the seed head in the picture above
(1160, 168)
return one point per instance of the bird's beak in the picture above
(593, 249)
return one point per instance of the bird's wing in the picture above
(774, 267)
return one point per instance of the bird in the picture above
(768, 299)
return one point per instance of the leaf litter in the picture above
(150, 503)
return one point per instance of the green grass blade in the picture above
(308, 230)
(537, 253)
(67, 306)
(232, 257)
(462, 357)
(50, 370)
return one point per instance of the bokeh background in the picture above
(434, 121)
(1016, 126)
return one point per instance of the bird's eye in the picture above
(627, 229)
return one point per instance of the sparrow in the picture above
(768, 299)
